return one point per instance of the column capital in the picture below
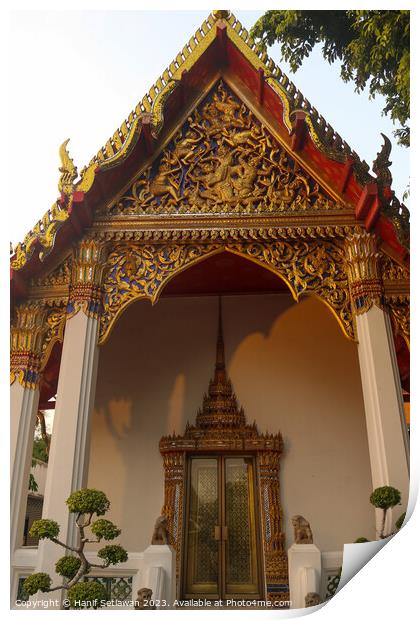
(26, 339)
(86, 278)
(362, 260)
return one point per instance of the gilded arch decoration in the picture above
(136, 271)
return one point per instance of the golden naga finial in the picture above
(68, 170)
(221, 14)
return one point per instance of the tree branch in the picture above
(58, 542)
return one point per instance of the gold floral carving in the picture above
(60, 276)
(26, 339)
(312, 268)
(87, 271)
(363, 264)
(273, 536)
(308, 267)
(226, 230)
(399, 310)
(223, 161)
(141, 271)
(393, 271)
(55, 325)
(173, 507)
(35, 330)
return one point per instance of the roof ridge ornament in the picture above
(68, 170)
(221, 14)
(382, 164)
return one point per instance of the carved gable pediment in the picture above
(222, 160)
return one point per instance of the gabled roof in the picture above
(221, 44)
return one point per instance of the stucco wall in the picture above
(292, 369)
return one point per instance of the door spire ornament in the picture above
(221, 427)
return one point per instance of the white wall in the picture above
(292, 369)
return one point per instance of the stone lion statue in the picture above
(160, 532)
(312, 599)
(144, 598)
(302, 531)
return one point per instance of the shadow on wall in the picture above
(292, 370)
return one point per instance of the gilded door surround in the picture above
(221, 429)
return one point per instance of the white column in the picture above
(385, 420)
(24, 407)
(69, 451)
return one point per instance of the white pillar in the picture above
(27, 334)
(24, 407)
(69, 451)
(384, 409)
(304, 573)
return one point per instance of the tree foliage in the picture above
(37, 582)
(44, 528)
(399, 522)
(102, 528)
(40, 450)
(73, 566)
(373, 48)
(91, 593)
(88, 501)
(112, 554)
(385, 497)
(67, 566)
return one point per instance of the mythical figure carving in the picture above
(160, 532)
(223, 160)
(302, 531)
(312, 599)
(144, 599)
(382, 164)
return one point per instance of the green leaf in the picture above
(37, 582)
(44, 528)
(88, 501)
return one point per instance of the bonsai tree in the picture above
(385, 498)
(74, 566)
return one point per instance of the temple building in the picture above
(225, 232)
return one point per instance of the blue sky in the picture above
(78, 74)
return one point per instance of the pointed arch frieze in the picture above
(312, 267)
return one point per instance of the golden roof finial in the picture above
(68, 170)
(221, 14)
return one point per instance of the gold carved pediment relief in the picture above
(223, 160)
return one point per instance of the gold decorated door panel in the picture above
(220, 556)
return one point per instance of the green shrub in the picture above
(88, 501)
(113, 554)
(362, 539)
(385, 497)
(67, 566)
(102, 528)
(399, 522)
(90, 592)
(36, 582)
(44, 528)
